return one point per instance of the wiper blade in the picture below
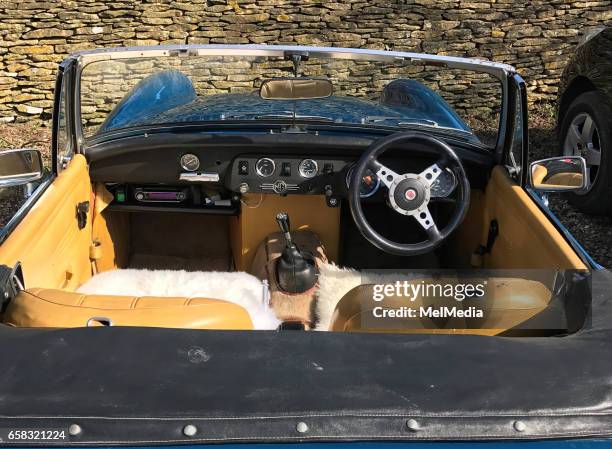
(279, 115)
(297, 117)
(410, 123)
(386, 118)
(437, 127)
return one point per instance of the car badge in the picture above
(280, 186)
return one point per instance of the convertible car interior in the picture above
(274, 228)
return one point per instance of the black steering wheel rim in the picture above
(447, 157)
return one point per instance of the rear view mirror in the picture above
(18, 167)
(559, 174)
(296, 89)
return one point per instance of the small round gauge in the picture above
(370, 183)
(308, 168)
(265, 167)
(444, 185)
(190, 162)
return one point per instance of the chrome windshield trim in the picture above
(497, 69)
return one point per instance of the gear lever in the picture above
(294, 272)
(282, 218)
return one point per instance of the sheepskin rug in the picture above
(335, 282)
(236, 287)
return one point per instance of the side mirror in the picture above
(21, 166)
(296, 89)
(559, 174)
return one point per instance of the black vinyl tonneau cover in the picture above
(129, 385)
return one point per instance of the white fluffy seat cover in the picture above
(235, 287)
(335, 282)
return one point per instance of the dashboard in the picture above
(171, 170)
(328, 176)
(288, 175)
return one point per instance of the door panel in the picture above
(53, 251)
(527, 238)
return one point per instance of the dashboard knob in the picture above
(332, 201)
(243, 187)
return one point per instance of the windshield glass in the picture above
(146, 91)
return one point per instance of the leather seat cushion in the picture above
(508, 303)
(57, 308)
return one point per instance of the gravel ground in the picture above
(594, 233)
(11, 198)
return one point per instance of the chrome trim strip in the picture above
(271, 186)
(86, 57)
(571, 240)
(200, 177)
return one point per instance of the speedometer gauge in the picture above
(444, 184)
(308, 168)
(370, 183)
(265, 167)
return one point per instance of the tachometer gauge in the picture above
(444, 185)
(369, 183)
(265, 167)
(190, 162)
(308, 168)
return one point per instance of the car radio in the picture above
(157, 195)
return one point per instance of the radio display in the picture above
(160, 196)
(163, 196)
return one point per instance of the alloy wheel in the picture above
(582, 139)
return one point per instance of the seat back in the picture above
(60, 309)
(508, 303)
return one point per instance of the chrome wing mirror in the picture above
(559, 174)
(20, 166)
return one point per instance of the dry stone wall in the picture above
(534, 35)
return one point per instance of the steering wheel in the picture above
(409, 193)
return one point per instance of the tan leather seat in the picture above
(558, 180)
(509, 302)
(57, 308)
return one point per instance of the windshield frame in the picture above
(499, 70)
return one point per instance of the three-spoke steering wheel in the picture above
(409, 193)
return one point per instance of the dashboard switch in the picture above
(332, 201)
(328, 168)
(243, 167)
(120, 196)
(286, 169)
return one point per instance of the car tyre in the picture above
(585, 131)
